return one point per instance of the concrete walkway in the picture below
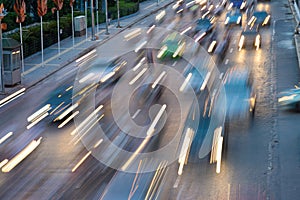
(35, 72)
(296, 12)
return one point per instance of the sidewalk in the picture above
(34, 72)
(296, 13)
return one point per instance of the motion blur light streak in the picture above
(158, 79)
(86, 56)
(184, 84)
(3, 162)
(80, 138)
(66, 112)
(68, 119)
(87, 77)
(205, 81)
(186, 30)
(139, 75)
(12, 97)
(139, 64)
(81, 161)
(21, 155)
(87, 120)
(4, 138)
(38, 113)
(133, 34)
(98, 143)
(40, 118)
(156, 119)
(140, 46)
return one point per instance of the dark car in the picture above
(262, 18)
(250, 36)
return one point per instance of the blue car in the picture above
(262, 18)
(290, 99)
(233, 17)
(240, 95)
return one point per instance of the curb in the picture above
(98, 44)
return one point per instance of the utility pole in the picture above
(93, 20)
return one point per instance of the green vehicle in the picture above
(172, 46)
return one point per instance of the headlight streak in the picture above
(21, 155)
(81, 161)
(184, 152)
(139, 64)
(78, 140)
(139, 75)
(184, 84)
(66, 112)
(68, 119)
(37, 114)
(87, 120)
(40, 118)
(151, 129)
(158, 79)
(5, 137)
(12, 97)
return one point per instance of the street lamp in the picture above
(93, 20)
(3, 13)
(106, 18)
(118, 8)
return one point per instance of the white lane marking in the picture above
(136, 113)
(231, 50)
(234, 41)
(174, 63)
(226, 61)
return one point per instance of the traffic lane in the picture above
(287, 75)
(236, 182)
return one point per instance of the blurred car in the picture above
(172, 46)
(240, 94)
(212, 42)
(233, 17)
(223, 45)
(290, 99)
(262, 18)
(113, 72)
(179, 7)
(250, 35)
(238, 4)
(203, 27)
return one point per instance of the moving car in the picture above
(290, 99)
(250, 36)
(172, 46)
(233, 17)
(203, 27)
(240, 94)
(262, 18)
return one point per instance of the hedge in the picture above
(32, 36)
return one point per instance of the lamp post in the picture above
(118, 8)
(93, 20)
(106, 18)
(2, 15)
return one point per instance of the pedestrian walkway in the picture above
(296, 12)
(35, 71)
